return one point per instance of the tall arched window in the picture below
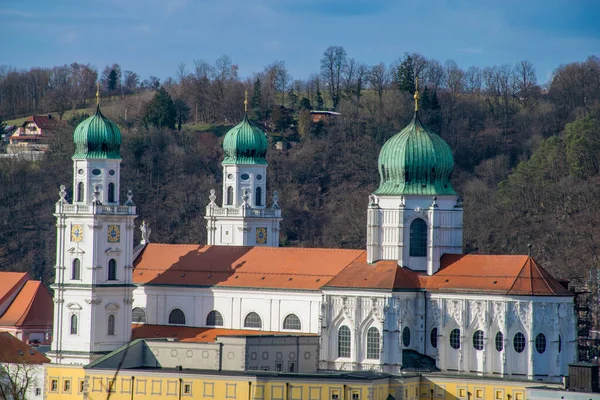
(73, 324)
(373, 343)
(111, 325)
(76, 270)
(229, 199)
(252, 320)
(455, 339)
(80, 188)
(214, 318)
(111, 192)
(177, 317)
(433, 338)
(138, 315)
(112, 270)
(344, 342)
(418, 238)
(406, 336)
(292, 322)
(258, 197)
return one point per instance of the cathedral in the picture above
(411, 292)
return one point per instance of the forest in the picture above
(527, 154)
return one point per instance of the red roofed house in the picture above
(25, 308)
(411, 291)
(21, 369)
(34, 134)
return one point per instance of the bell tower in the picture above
(244, 219)
(93, 274)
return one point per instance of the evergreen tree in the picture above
(305, 104)
(182, 112)
(160, 111)
(112, 81)
(320, 101)
(256, 97)
(405, 77)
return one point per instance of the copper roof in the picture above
(312, 269)
(12, 350)
(32, 307)
(191, 334)
(230, 266)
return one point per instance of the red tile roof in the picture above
(43, 122)
(33, 307)
(10, 282)
(12, 350)
(258, 267)
(191, 334)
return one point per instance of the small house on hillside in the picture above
(34, 134)
(324, 116)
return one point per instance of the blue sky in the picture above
(151, 37)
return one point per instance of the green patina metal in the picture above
(245, 144)
(97, 137)
(415, 161)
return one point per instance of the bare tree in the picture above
(332, 67)
(17, 379)
(59, 96)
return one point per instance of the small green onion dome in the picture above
(97, 137)
(415, 161)
(245, 144)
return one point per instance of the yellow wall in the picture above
(166, 385)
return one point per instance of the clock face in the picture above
(114, 233)
(261, 235)
(76, 233)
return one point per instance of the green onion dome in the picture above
(97, 137)
(415, 161)
(245, 144)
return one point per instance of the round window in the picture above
(406, 336)
(433, 338)
(96, 172)
(245, 177)
(540, 343)
(258, 177)
(499, 341)
(230, 176)
(478, 340)
(519, 342)
(80, 172)
(111, 172)
(455, 339)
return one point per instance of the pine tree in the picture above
(112, 81)
(405, 77)
(255, 102)
(320, 101)
(160, 111)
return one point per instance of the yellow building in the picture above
(254, 367)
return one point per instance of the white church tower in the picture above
(414, 216)
(93, 273)
(244, 219)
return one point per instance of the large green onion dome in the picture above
(415, 161)
(245, 144)
(97, 137)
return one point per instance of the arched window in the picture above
(344, 342)
(519, 342)
(540, 343)
(214, 318)
(177, 317)
(258, 197)
(373, 343)
(73, 324)
(229, 199)
(111, 192)
(111, 325)
(478, 340)
(455, 339)
(80, 187)
(418, 238)
(292, 322)
(406, 336)
(252, 320)
(559, 344)
(76, 270)
(433, 338)
(112, 269)
(499, 341)
(138, 315)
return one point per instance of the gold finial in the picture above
(97, 93)
(416, 96)
(246, 101)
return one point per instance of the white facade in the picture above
(389, 221)
(93, 282)
(244, 219)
